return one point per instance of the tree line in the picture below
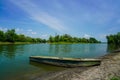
(69, 39)
(114, 39)
(12, 36)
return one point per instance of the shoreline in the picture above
(50, 43)
(73, 43)
(109, 68)
(5, 43)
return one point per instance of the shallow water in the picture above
(15, 64)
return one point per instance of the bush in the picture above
(115, 78)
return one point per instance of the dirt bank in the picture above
(110, 66)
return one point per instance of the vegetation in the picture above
(115, 78)
(113, 39)
(69, 39)
(11, 36)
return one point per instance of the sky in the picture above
(79, 18)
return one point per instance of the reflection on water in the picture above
(45, 66)
(77, 50)
(14, 59)
(1, 49)
(112, 47)
(10, 51)
(60, 48)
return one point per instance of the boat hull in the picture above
(66, 62)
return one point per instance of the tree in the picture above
(21, 38)
(39, 40)
(113, 39)
(44, 41)
(75, 39)
(68, 38)
(28, 39)
(61, 38)
(92, 40)
(84, 40)
(10, 35)
(51, 39)
(2, 36)
(56, 38)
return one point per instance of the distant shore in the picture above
(16, 43)
(75, 43)
(46, 42)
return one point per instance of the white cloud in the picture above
(102, 37)
(87, 36)
(44, 36)
(115, 28)
(33, 32)
(18, 30)
(3, 29)
(38, 15)
(29, 30)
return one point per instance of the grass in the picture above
(70, 43)
(61, 43)
(115, 78)
(47, 42)
(15, 43)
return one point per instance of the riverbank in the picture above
(74, 43)
(2, 43)
(109, 68)
(5, 43)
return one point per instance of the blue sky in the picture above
(42, 18)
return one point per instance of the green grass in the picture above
(115, 78)
(2, 43)
(61, 43)
(70, 43)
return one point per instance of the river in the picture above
(15, 64)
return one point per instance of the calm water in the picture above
(15, 64)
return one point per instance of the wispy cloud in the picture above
(87, 36)
(29, 30)
(114, 28)
(18, 30)
(38, 15)
(3, 29)
(33, 32)
(102, 37)
(44, 36)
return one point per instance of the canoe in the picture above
(66, 62)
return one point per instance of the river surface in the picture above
(15, 64)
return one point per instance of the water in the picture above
(15, 64)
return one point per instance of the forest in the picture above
(114, 39)
(12, 36)
(69, 39)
